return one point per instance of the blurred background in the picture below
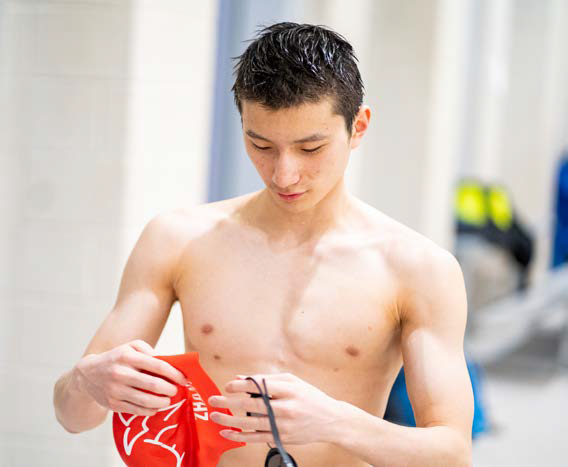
(112, 111)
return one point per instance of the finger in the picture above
(244, 423)
(280, 408)
(276, 388)
(251, 437)
(158, 367)
(270, 377)
(143, 346)
(143, 399)
(133, 409)
(150, 383)
(239, 404)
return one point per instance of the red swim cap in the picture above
(181, 435)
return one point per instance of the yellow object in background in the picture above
(470, 204)
(476, 203)
(500, 209)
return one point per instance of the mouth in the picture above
(290, 197)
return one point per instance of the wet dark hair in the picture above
(289, 64)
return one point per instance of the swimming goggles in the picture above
(276, 457)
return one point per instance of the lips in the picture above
(290, 197)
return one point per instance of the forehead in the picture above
(291, 123)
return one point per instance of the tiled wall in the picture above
(104, 122)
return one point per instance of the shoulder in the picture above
(430, 280)
(404, 248)
(170, 229)
(409, 253)
(169, 233)
(425, 273)
(184, 223)
(420, 261)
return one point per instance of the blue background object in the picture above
(560, 248)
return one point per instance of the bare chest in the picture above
(261, 309)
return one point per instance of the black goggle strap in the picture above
(272, 419)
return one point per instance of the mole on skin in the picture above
(207, 329)
(216, 357)
(353, 351)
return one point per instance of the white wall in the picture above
(105, 121)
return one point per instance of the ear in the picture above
(360, 125)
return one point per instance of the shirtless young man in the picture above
(301, 284)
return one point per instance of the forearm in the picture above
(75, 409)
(382, 443)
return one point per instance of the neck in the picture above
(298, 228)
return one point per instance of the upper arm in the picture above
(146, 293)
(434, 314)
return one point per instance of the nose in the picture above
(286, 171)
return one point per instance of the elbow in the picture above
(457, 450)
(61, 420)
(57, 409)
(454, 456)
(69, 430)
(66, 427)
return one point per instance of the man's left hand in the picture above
(304, 414)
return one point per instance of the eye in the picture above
(261, 148)
(313, 149)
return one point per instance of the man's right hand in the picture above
(114, 379)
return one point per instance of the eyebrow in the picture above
(307, 139)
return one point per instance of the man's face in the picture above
(301, 151)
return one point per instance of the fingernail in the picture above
(241, 376)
